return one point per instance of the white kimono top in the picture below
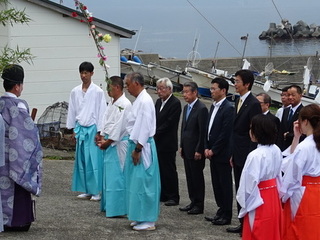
(114, 124)
(142, 124)
(86, 108)
(263, 163)
(304, 161)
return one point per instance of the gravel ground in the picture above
(60, 215)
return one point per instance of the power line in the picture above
(214, 27)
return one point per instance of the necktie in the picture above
(290, 115)
(162, 105)
(188, 111)
(239, 105)
(214, 112)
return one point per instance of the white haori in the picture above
(114, 120)
(142, 124)
(304, 161)
(86, 108)
(115, 123)
(262, 164)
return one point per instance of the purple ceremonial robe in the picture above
(22, 172)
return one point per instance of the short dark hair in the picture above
(298, 88)
(266, 98)
(117, 81)
(246, 76)
(222, 83)
(86, 66)
(193, 86)
(8, 86)
(264, 129)
(285, 89)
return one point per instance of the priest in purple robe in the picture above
(21, 175)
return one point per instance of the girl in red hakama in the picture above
(300, 189)
(258, 193)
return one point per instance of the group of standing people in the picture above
(116, 158)
(140, 142)
(126, 154)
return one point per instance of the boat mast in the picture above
(214, 62)
(244, 48)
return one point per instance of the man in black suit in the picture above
(193, 129)
(265, 102)
(246, 107)
(218, 150)
(290, 115)
(168, 110)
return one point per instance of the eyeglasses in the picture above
(214, 89)
(161, 88)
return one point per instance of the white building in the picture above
(59, 43)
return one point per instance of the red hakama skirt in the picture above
(306, 224)
(267, 221)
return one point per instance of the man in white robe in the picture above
(141, 169)
(115, 143)
(87, 105)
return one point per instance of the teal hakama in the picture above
(143, 187)
(113, 198)
(87, 172)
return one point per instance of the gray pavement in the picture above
(60, 215)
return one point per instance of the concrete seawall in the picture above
(288, 63)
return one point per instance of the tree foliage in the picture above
(13, 16)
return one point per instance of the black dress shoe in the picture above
(221, 221)
(237, 229)
(195, 210)
(211, 219)
(186, 208)
(208, 218)
(171, 203)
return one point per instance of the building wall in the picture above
(59, 44)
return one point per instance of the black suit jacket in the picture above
(166, 136)
(219, 139)
(193, 130)
(274, 119)
(287, 126)
(242, 144)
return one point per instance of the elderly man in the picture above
(142, 168)
(21, 174)
(168, 110)
(115, 143)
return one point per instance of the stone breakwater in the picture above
(286, 30)
(289, 63)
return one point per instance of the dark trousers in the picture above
(195, 181)
(168, 176)
(221, 177)
(237, 170)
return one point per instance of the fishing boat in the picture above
(152, 72)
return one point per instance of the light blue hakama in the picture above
(87, 172)
(113, 198)
(143, 187)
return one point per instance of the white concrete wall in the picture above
(59, 44)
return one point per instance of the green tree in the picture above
(13, 16)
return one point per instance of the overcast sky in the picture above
(171, 23)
